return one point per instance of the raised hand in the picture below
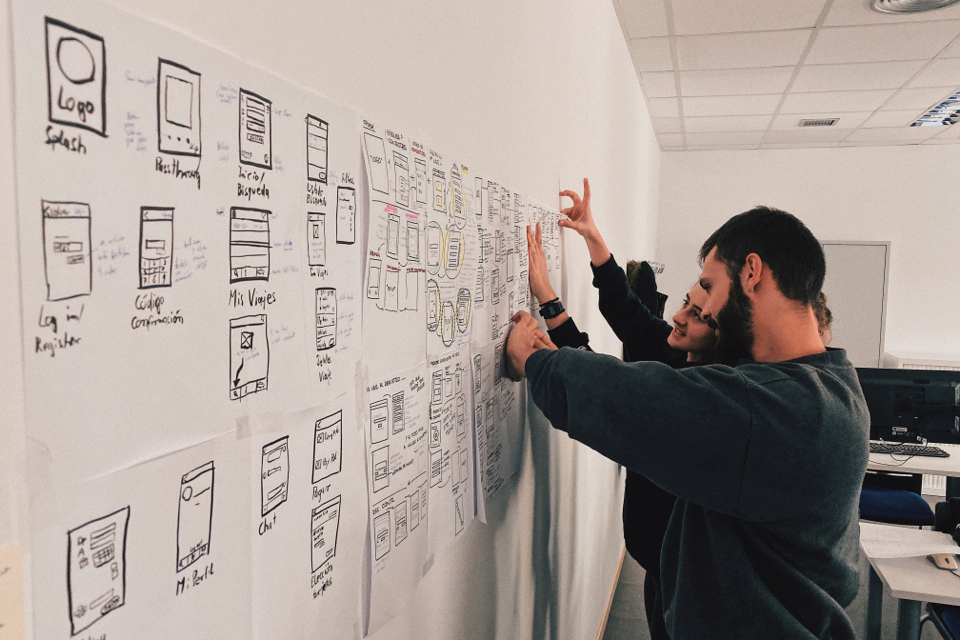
(580, 219)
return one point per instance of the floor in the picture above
(628, 621)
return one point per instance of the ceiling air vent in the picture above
(909, 6)
(819, 122)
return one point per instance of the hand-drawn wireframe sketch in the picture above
(318, 132)
(391, 301)
(256, 130)
(324, 527)
(448, 322)
(413, 291)
(274, 475)
(393, 235)
(379, 420)
(249, 355)
(97, 568)
(459, 515)
(439, 190)
(420, 166)
(434, 248)
(414, 510)
(456, 193)
(381, 468)
(316, 239)
(373, 279)
(156, 247)
(377, 155)
(326, 318)
(413, 241)
(400, 523)
(436, 467)
(346, 215)
(178, 109)
(397, 411)
(195, 515)
(76, 77)
(464, 308)
(433, 305)
(327, 446)
(67, 259)
(381, 535)
(249, 244)
(401, 178)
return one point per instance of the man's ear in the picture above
(752, 273)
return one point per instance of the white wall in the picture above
(535, 93)
(907, 195)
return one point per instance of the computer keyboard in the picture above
(907, 449)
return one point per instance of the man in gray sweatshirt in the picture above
(766, 458)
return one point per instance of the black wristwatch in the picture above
(551, 309)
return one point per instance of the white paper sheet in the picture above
(401, 188)
(452, 484)
(398, 475)
(308, 522)
(158, 550)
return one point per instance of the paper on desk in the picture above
(883, 541)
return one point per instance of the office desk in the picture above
(912, 580)
(949, 467)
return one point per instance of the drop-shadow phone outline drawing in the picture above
(156, 247)
(178, 109)
(249, 355)
(274, 474)
(67, 254)
(195, 515)
(96, 569)
(76, 77)
(256, 130)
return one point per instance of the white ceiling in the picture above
(741, 74)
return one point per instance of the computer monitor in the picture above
(909, 404)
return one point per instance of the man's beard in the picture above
(735, 320)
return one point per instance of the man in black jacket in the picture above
(765, 458)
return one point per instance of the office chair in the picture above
(894, 498)
(945, 618)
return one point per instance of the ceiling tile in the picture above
(811, 134)
(881, 43)
(952, 131)
(953, 51)
(847, 120)
(651, 54)
(663, 107)
(847, 77)
(939, 73)
(724, 147)
(859, 12)
(670, 139)
(735, 81)
(666, 125)
(942, 141)
(705, 16)
(659, 84)
(918, 98)
(726, 123)
(801, 145)
(839, 101)
(742, 50)
(879, 143)
(725, 138)
(893, 133)
(731, 105)
(892, 118)
(644, 18)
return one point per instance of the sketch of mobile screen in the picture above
(249, 244)
(392, 294)
(434, 247)
(326, 318)
(66, 249)
(327, 446)
(379, 419)
(439, 191)
(381, 468)
(316, 240)
(495, 286)
(324, 527)
(156, 247)
(479, 292)
(397, 412)
(195, 515)
(436, 389)
(478, 197)
(413, 241)
(497, 363)
(346, 215)
(274, 475)
(373, 279)
(458, 514)
(249, 355)
(415, 510)
(256, 130)
(454, 252)
(317, 132)
(393, 235)
(436, 466)
(76, 84)
(96, 568)
(377, 156)
(456, 189)
(400, 522)
(463, 310)
(420, 166)
(413, 290)
(433, 306)
(402, 178)
(178, 109)
(381, 535)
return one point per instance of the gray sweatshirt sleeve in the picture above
(687, 430)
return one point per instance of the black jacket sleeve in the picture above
(568, 335)
(642, 333)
